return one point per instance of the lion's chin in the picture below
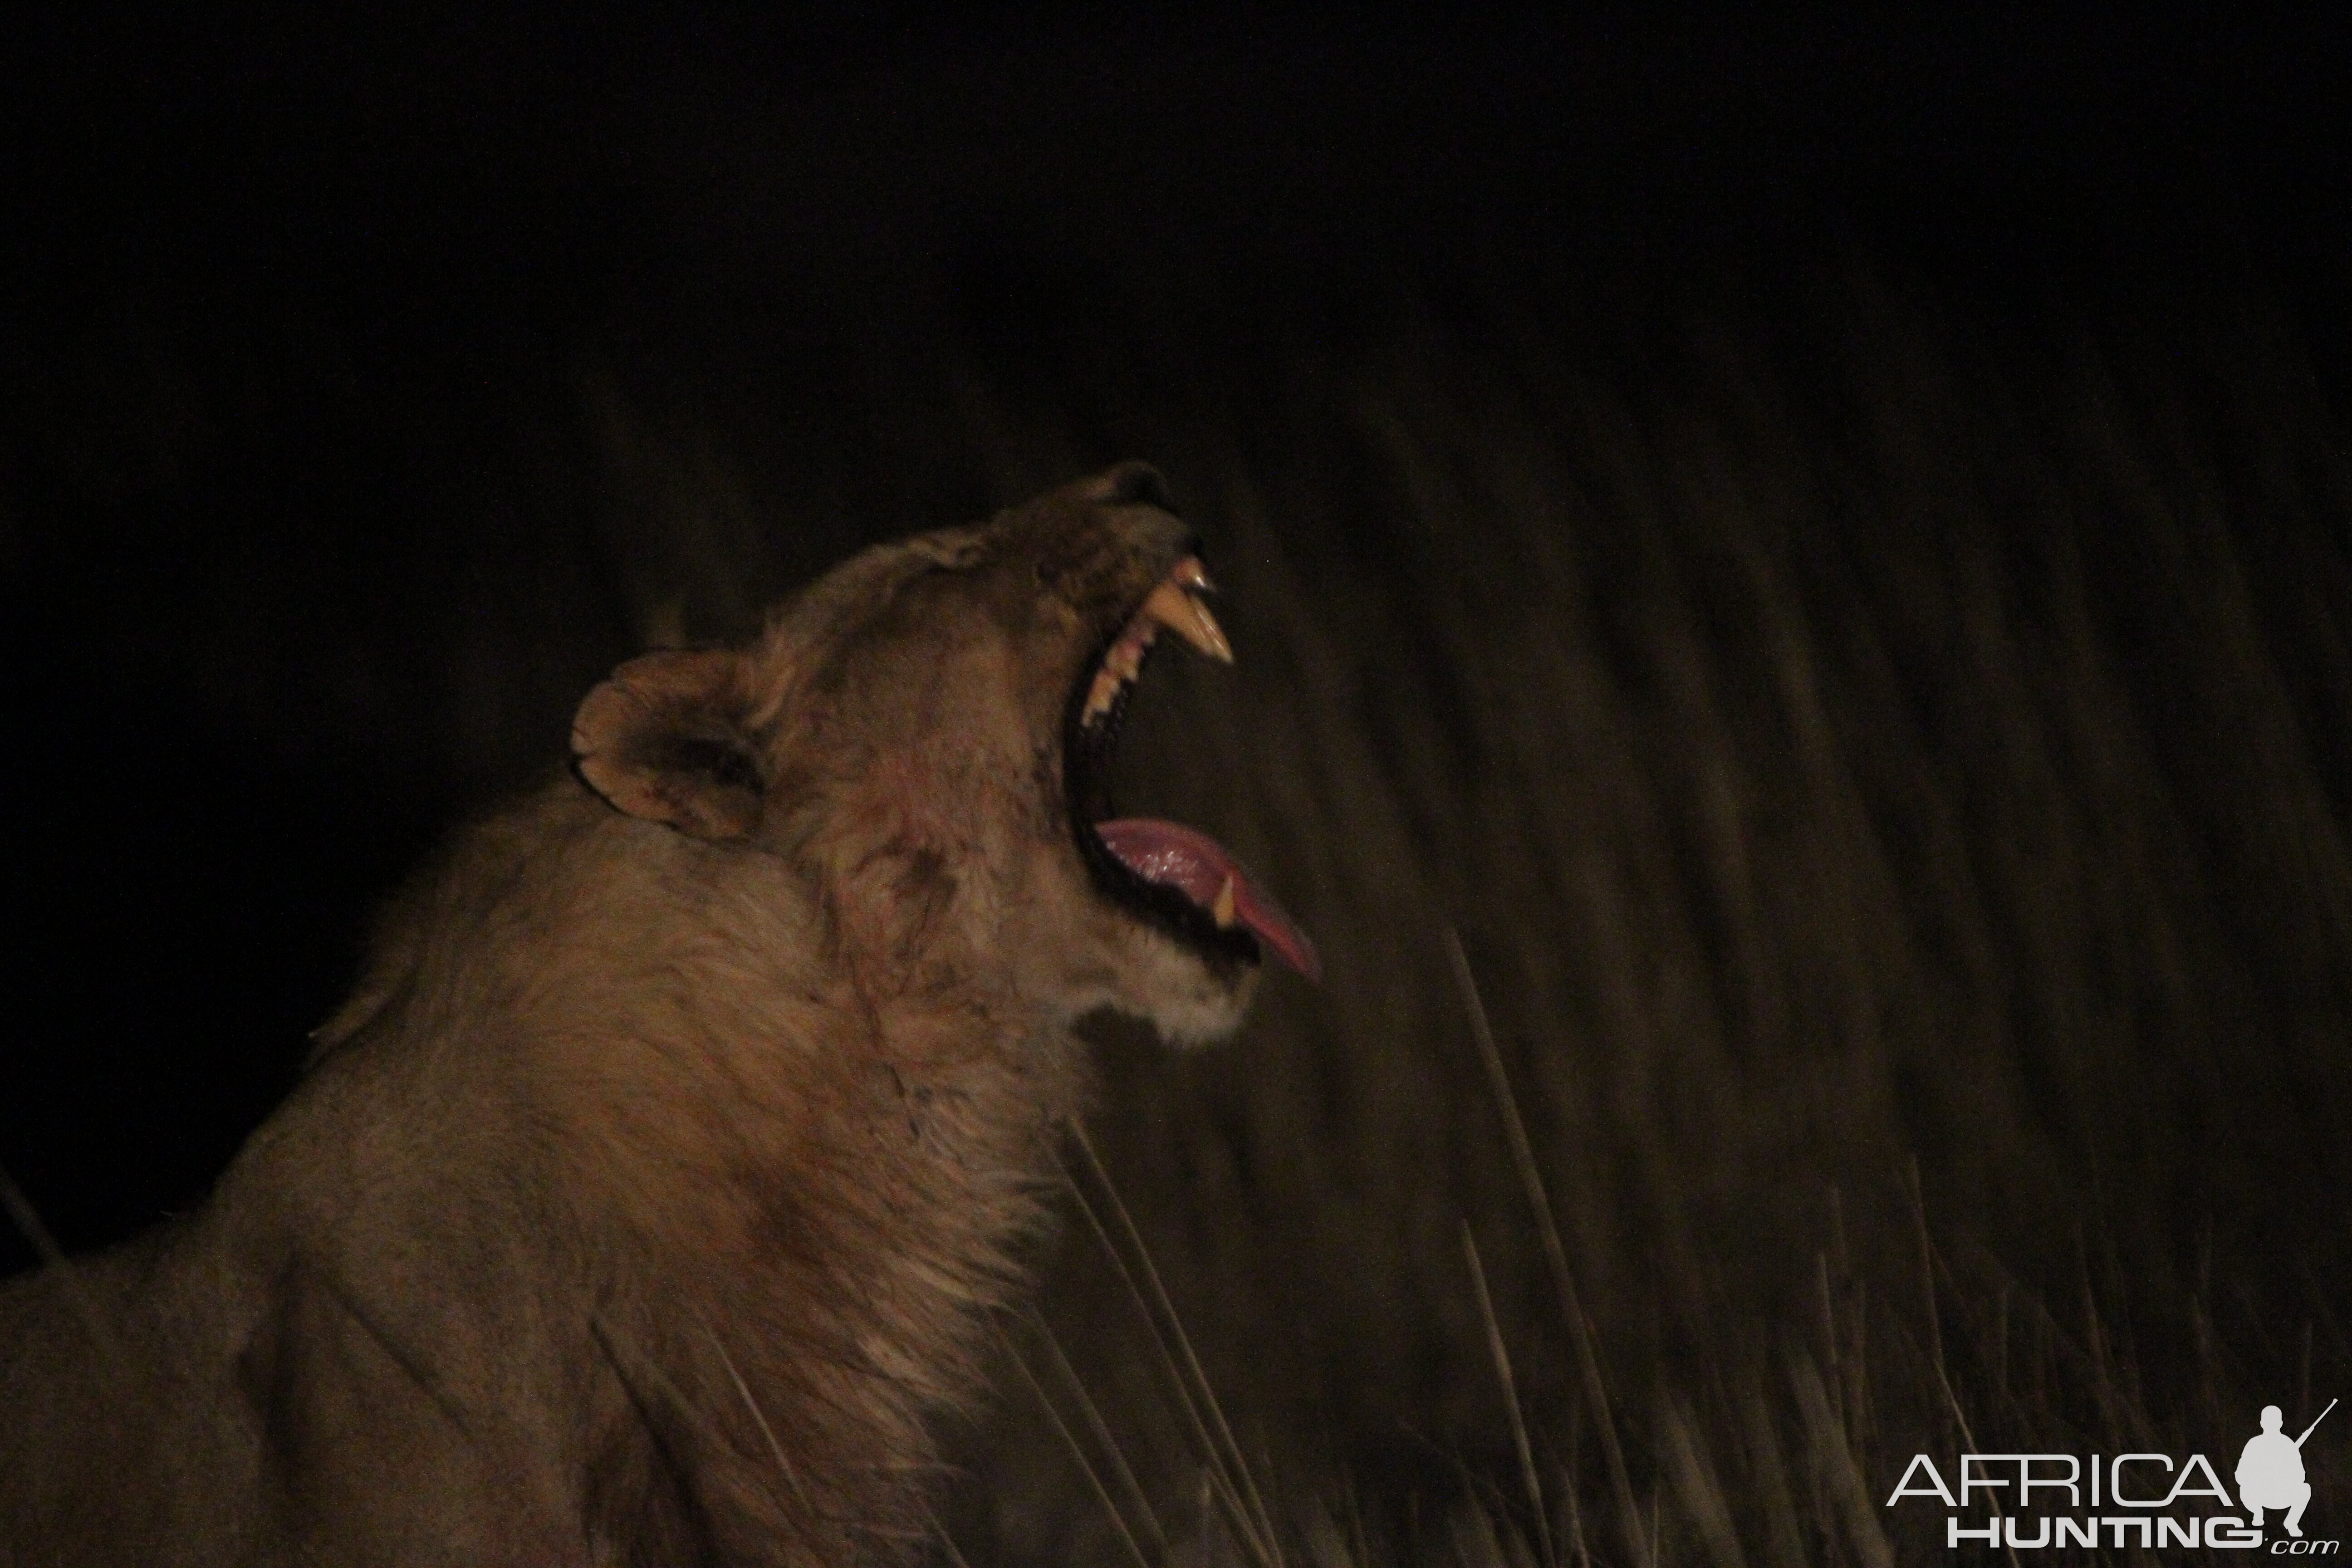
(1189, 1000)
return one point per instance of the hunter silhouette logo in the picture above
(2145, 1499)
(2270, 1472)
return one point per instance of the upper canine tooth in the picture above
(1190, 573)
(1222, 911)
(1189, 618)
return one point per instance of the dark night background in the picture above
(366, 386)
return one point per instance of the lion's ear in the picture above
(664, 739)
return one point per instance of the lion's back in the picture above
(98, 1400)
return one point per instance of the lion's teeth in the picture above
(1170, 604)
(1099, 696)
(1126, 656)
(1223, 910)
(1189, 618)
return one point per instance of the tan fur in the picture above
(645, 1199)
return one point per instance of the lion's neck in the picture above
(807, 1194)
(766, 1193)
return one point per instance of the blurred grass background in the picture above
(1894, 750)
(1828, 575)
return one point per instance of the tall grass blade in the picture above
(1936, 1329)
(1596, 1392)
(1108, 1444)
(1255, 1523)
(1077, 1452)
(1702, 1496)
(1502, 1356)
(1834, 1467)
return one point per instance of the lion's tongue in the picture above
(1197, 866)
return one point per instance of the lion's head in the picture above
(927, 732)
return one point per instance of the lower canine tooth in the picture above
(1222, 911)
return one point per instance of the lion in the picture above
(647, 1201)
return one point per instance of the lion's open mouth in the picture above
(1177, 877)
